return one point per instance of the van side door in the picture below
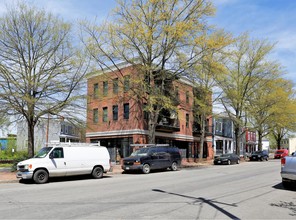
(163, 158)
(57, 165)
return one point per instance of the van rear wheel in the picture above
(146, 168)
(40, 176)
(97, 172)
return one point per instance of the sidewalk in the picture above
(6, 176)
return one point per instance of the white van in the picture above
(65, 159)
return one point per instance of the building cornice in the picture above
(137, 131)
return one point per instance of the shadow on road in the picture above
(280, 186)
(204, 200)
(64, 179)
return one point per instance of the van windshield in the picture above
(140, 152)
(43, 152)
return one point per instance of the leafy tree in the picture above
(164, 36)
(283, 120)
(39, 69)
(203, 76)
(246, 66)
(263, 104)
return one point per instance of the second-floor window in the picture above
(96, 91)
(187, 120)
(95, 115)
(115, 112)
(126, 111)
(105, 114)
(105, 88)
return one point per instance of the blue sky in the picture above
(274, 20)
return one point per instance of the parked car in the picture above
(259, 156)
(230, 158)
(288, 171)
(281, 153)
(64, 159)
(152, 158)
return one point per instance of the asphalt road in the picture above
(250, 190)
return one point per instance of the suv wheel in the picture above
(146, 168)
(174, 166)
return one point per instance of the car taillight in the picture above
(283, 161)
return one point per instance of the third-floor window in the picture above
(96, 91)
(105, 88)
(187, 97)
(126, 83)
(115, 86)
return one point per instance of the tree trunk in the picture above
(153, 116)
(30, 139)
(259, 140)
(278, 141)
(202, 138)
(237, 140)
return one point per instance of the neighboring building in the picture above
(46, 130)
(289, 143)
(117, 120)
(250, 141)
(265, 144)
(223, 135)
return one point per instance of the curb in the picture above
(115, 171)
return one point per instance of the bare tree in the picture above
(40, 71)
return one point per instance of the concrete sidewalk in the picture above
(7, 176)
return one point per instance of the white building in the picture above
(46, 130)
(289, 143)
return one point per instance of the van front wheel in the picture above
(97, 172)
(40, 176)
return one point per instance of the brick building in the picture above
(115, 115)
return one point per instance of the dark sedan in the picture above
(230, 158)
(259, 156)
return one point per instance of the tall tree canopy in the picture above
(164, 36)
(39, 69)
(246, 66)
(266, 103)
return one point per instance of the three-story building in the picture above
(116, 116)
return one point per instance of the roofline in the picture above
(125, 64)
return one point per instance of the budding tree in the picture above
(40, 71)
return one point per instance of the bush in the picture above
(8, 155)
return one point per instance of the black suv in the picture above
(259, 155)
(152, 158)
